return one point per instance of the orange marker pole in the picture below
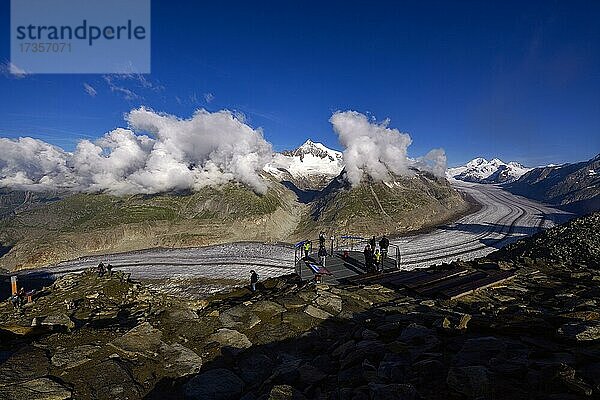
(13, 285)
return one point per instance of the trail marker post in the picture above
(13, 285)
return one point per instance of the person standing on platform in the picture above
(384, 244)
(368, 258)
(306, 246)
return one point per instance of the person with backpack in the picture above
(253, 280)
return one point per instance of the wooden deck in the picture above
(447, 284)
(343, 269)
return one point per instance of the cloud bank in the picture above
(159, 152)
(376, 150)
(156, 153)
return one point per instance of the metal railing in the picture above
(341, 243)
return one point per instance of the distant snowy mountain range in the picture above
(481, 170)
(313, 166)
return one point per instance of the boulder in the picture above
(479, 351)
(26, 364)
(581, 331)
(267, 308)
(255, 369)
(393, 392)
(143, 340)
(180, 361)
(215, 384)
(317, 312)
(285, 392)
(72, 358)
(329, 302)
(58, 321)
(230, 338)
(473, 382)
(38, 389)
(239, 317)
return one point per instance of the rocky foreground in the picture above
(535, 337)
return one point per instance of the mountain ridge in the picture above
(480, 170)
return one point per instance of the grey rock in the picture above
(285, 392)
(479, 351)
(329, 302)
(58, 320)
(179, 361)
(239, 318)
(414, 332)
(74, 357)
(473, 382)
(581, 331)
(215, 384)
(230, 338)
(317, 312)
(255, 369)
(142, 340)
(393, 392)
(24, 365)
(38, 389)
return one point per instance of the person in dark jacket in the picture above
(384, 244)
(373, 243)
(321, 239)
(368, 258)
(322, 254)
(253, 280)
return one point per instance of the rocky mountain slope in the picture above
(534, 337)
(85, 224)
(573, 187)
(404, 205)
(480, 170)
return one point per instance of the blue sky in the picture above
(515, 80)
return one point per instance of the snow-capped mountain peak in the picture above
(484, 171)
(311, 165)
(314, 149)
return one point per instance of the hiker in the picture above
(321, 239)
(109, 268)
(16, 301)
(373, 243)
(368, 258)
(101, 269)
(322, 254)
(377, 260)
(253, 280)
(306, 247)
(384, 244)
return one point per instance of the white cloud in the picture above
(89, 89)
(209, 97)
(32, 164)
(376, 150)
(10, 70)
(178, 154)
(127, 94)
